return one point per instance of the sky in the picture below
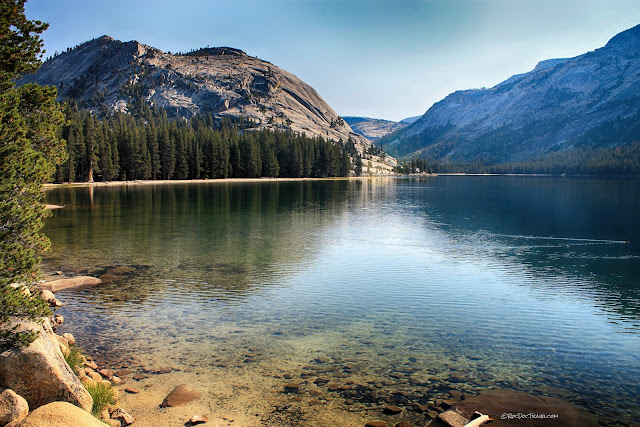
(387, 59)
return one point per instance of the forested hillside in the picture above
(148, 145)
(604, 161)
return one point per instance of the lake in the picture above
(412, 287)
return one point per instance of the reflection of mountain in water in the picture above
(555, 227)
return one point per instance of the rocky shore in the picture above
(38, 385)
(39, 388)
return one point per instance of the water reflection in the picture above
(465, 282)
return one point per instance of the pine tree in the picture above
(30, 149)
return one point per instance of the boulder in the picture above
(39, 373)
(59, 414)
(12, 406)
(516, 408)
(179, 396)
(57, 320)
(70, 339)
(48, 296)
(73, 283)
(62, 340)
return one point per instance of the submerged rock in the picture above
(292, 386)
(13, 407)
(59, 414)
(392, 409)
(75, 282)
(179, 396)
(505, 407)
(449, 419)
(39, 373)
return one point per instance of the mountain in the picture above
(223, 81)
(590, 101)
(372, 129)
(410, 120)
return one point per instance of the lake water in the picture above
(395, 290)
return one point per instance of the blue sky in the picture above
(376, 58)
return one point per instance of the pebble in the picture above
(198, 419)
(140, 377)
(419, 408)
(132, 390)
(107, 373)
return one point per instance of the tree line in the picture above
(148, 145)
(623, 160)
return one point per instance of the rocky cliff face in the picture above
(222, 81)
(561, 104)
(373, 129)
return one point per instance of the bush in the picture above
(74, 359)
(103, 395)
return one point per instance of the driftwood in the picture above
(481, 419)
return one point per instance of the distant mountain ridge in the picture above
(222, 81)
(592, 100)
(373, 129)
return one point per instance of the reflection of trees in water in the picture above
(229, 237)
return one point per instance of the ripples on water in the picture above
(465, 283)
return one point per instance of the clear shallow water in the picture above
(421, 286)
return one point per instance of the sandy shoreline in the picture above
(50, 186)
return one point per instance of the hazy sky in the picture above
(376, 58)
